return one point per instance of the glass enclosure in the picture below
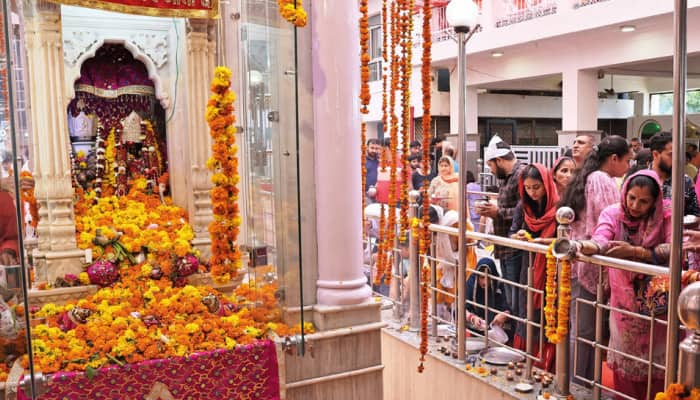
(110, 175)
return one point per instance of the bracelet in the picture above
(654, 258)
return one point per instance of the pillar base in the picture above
(203, 244)
(50, 265)
(342, 293)
(341, 330)
(334, 317)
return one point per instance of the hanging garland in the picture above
(557, 312)
(27, 197)
(424, 242)
(108, 177)
(226, 256)
(151, 154)
(406, 67)
(385, 112)
(425, 294)
(393, 142)
(293, 11)
(121, 177)
(100, 164)
(385, 76)
(381, 250)
(365, 95)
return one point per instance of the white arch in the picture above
(139, 55)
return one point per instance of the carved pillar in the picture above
(57, 253)
(201, 49)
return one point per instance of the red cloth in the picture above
(185, 9)
(383, 187)
(8, 224)
(246, 372)
(545, 225)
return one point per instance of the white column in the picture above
(579, 104)
(336, 78)
(50, 143)
(200, 70)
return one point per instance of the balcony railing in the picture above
(509, 12)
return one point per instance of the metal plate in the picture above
(475, 345)
(500, 356)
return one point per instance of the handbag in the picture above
(651, 294)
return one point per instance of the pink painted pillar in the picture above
(579, 100)
(336, 84)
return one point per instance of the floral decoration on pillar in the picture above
(226, 256)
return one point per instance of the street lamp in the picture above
(462, 15)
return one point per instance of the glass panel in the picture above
(270, 129)
(17, 230)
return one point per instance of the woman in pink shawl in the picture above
(637, 228)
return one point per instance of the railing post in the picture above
(689, 349)
(414, 266)
(565, 216)
(678, 131)
(395, 287)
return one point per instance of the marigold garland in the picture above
(385, 78)
(225, 254)
(677, 391)
(365, 95)
(424, 242)
(293, 11)
(406, 69)
(142, 220)
(556, 310)
(27, 196)
(425, 294)
(381, 247)
(141, 318)
(108, 176)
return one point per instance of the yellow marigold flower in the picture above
(212, 164)
(84, 278)
(192, 328)
(230, 343)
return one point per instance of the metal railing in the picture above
(533, 324)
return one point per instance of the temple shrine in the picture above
(361, 199)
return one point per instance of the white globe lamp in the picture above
(462, 15)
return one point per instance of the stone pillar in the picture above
(579, 105)
(57, 253)
(336, 78)
(201, 49)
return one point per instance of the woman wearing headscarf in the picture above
(638, 228)
(535, 215)
(447, 249)
(496, 295)
(444, 188)
(592, 188)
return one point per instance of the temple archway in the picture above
(116, 123)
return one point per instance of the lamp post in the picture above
(462, 15)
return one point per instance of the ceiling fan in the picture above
(610, 92)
